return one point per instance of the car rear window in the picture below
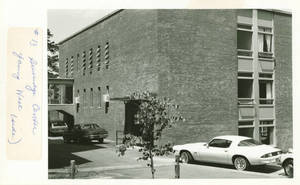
(249, 142)
(90, 126)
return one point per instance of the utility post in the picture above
(177, 167)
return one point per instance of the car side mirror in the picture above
(206, 145)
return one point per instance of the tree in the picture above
(52, 56)
(153, 117)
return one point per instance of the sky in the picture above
(64, 22)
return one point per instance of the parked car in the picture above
(57, 128)
(287, 163)
(85, 132)
(237, 150)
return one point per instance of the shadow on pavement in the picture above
(260, 169)
(60, 154)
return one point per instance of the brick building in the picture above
(229, 70)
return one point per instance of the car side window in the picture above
(220, 143)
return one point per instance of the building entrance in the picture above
(131, 109)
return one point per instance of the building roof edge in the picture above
(91, 25)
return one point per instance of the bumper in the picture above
(269, 160)
(96, 136)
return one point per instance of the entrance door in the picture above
(131, 109)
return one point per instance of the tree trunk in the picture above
(152, 164)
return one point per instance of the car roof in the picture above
(232, 137)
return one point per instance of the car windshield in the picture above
(56, 124)
(249, 142)
(90, 126)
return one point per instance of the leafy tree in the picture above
(153, 117)
(52, 56)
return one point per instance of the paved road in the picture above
(101, 161)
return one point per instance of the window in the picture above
(98, 58)
(106, 55)
(91, 97)
(91, 60)
(245, 74)
(107, 102)
(244, 40)
(77, 101)
(99, 97)
(77, 62)
(245, 90)
(220, 143)
(84, 98)
(67, 68)
(83, 63)
(265, 92)
(265, 42)
(71, 66)
(266, 131)
(246, 131)
(266, 75)
(246, 128)
(249, 142)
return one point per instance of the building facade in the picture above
(230, 71)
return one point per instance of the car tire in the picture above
(186, 157)
(240, 163)
(100, 140)
(288, 167)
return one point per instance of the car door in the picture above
(216, 151)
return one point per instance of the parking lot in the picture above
(95, 160)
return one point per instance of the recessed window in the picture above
(99, 96)
(106, 55)
(91, 97)
(264, 41)
(247, 132)
(83, 63)
(265, 92)
(98, 58)
(71, 66)
(245, 74)
(245, 123)
(244, 40)
(266, 75)
(67, 67)
(245, 88)
(266, 132)
(91, 60)
(84, 98)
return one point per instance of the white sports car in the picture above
(237, 150)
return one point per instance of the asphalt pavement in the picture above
(100, 160)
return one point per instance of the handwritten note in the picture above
(24, 93)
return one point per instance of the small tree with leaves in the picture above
(52, 56)
(153, 117)
(53, 90)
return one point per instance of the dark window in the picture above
(220, 143)
(92, 97)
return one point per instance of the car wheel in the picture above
(240, 163)
(186, 157)
(100, 140)
(288, 167)
(66, 140)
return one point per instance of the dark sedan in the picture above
(85, 132)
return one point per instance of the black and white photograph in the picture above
(170, 94)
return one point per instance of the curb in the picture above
(107, 168)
